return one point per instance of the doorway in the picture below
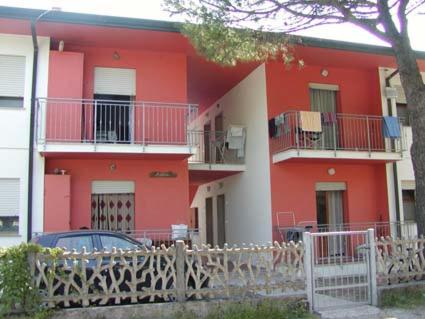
(221, 220)
(219, 137)
(325, 101)
(207, 144)
(209, 221)
(330, 217)
(113, 117)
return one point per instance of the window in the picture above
(12, 81)
(409, 204)
(76, 242)
(9, 205)
(404, 114)
(108, 242)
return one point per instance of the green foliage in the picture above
(228, 46)
(16, 285)
(405, 298)
(264, 310)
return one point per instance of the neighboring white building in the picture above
(16, 67)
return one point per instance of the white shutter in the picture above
(408, 184)
(12, 75)
(112, 187)
(115, 81)
(337, 186)
(9, 196)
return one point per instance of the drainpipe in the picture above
(394, 165)
(32, 121)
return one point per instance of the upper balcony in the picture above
(115, 126)
(337, 136)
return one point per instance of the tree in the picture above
(226, 31)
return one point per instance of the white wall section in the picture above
(14, 132)
(247, 194)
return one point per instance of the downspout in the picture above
(32, 122)
(394, 165)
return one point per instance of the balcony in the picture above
(85, 126)
(349, 137)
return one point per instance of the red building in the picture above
(139, 133)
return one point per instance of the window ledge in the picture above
(6, 234)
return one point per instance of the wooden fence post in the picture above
(180, 273)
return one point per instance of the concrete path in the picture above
(369, 312)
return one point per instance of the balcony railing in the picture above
(213, 148)
(121, 122)
(345, 132)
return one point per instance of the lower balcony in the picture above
(113, 126)
(337, 136)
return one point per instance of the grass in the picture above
(403, 298)
(263, 310)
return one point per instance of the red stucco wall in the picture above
(159, 202)
(293, 183)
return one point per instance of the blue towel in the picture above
(391, 127)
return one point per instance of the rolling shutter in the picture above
(9, 196)
(115, 81)
(112, 187)
(12, 76)
(338, 186)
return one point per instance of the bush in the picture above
(403, 298)
(268, 309)
(16, 285)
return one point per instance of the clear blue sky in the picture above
(151, 9)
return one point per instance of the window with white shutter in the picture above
(115, 81)
(9, 205)
(12, 80)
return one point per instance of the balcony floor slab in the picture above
(336, 155)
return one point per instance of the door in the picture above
(113, 115)
(221, 220)
(209, 220)
(219, 137)
(325, 101)
(330, 217)
(207, 144)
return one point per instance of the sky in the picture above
(152, 9)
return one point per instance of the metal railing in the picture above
(405, 229)
(120, 122)
(346, 132)
(210, 147)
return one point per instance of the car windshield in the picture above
(108, 242)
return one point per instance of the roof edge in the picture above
(168, 26)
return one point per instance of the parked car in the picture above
(91, 239)
(106, 240)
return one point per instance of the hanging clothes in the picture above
(391, 127)
(272, 128)
(310, 121)
(329, 118)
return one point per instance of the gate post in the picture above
(308, 268)
(372, 267)
(180, 277)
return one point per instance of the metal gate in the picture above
(341, 272)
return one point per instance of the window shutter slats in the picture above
(115, 81)
(12, 76)
(112, 187)
(9, 197)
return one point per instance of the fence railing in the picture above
(342, 132)
(212, 148)
(405, 230)
(400, 261)
(166, 274)
(120, 122)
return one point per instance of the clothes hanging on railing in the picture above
(329, 118)
(276, 125)
(235, 139)
(310, 121)
(391, 127)
(272, 128)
